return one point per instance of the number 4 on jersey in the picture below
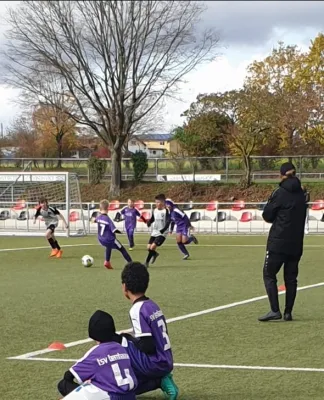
(161, 324)
(128, 380)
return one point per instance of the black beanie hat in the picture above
(287, 166)
(102, 327)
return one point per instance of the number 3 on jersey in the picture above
(161, 324)
(119, 378)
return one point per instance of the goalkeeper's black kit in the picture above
(286, 210)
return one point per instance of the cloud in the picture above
(218, 76)
(253, 23)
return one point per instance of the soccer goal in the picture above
(19, 196)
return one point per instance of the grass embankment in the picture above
(199, 192)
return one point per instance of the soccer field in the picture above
(212, 302)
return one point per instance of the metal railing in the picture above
(212, 218)
(224, 169)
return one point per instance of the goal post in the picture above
(19, 196)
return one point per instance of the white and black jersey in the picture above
(160, 222)
(50, 216)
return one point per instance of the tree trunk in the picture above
(59, 153)
(116, 178)
(248, 171)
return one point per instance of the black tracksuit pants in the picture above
(272, 265)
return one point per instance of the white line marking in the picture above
(166, 245)
(258, 368)
(170, 320)
(206, 366)
(47, 247)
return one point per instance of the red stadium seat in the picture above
(114, 205)
(74, 216)
(246, 217)
(318, 205)
(146, 215)
(139, 204)
(211, 206)
(20, 205)
(238, 205)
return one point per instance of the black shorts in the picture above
(158, 240)
(51, 227)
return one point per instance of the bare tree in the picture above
(118, 59)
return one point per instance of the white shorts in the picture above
(87, 392)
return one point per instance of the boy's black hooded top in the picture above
(286, 210)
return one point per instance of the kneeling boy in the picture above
(105, 371)
(150, 347)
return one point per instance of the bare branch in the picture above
(117, 60)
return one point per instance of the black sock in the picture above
(151, 254)
(57, 246)
(52, 243)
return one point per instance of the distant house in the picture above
(155, 145)
(9, 152)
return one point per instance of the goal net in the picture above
(19, 196)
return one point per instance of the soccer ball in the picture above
(87, 261)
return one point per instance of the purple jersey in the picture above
(148, 320)
(130, 215)
(181, 219)
(109, 368)
(106, 230)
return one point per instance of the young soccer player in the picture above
(183, 228)
(130, 213)
(51, 216)
(105, 371)
(107, 234)
(150, 347)
(160, 222)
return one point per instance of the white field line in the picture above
(205, 366)
(166, 245)
(170, 320)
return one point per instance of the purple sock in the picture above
(190, 239)
(125, 254)
(183, 249)
(108, 253)
(148, 386)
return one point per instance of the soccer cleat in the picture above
(156, 255)
(54, 253)
(194, 239)
(147, 265)
(288, 316)
(131, 249)
(108, 265)
(186, 257)
(59, 254)
(271, 316)
(169, 388)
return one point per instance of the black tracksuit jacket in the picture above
(286, 210)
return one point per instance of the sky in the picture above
(248, 31)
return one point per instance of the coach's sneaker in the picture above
(59, 254)
(194, 239)
(169, 388)
(108, 265)
(271, 316)
(156, 255)
(54, 253)
(186, 257)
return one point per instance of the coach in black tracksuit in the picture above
(286, 210)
